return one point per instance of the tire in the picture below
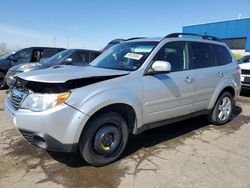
(2, 83)
(222, 110)
(104, 139)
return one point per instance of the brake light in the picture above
(238, 69)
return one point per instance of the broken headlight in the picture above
(40, 102)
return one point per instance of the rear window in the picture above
(223, 56)
(50, 52)
(202, 55)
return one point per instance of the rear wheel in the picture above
(104, 139)
(2, 83)
(222, 110)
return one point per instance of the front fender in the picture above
(96, 101)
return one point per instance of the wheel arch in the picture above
(219, 92)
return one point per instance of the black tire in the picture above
(2, 83)
(97, 133)
(215, 116)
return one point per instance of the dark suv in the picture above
(76, 57)
(26, 55)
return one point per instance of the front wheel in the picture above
(222, 110)
(104, 139)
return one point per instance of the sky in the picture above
(91, 24)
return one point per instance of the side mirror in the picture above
(161, 67)
(68, 61)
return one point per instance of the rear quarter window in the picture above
(223, 56)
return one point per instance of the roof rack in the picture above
(207, 37)
(135, 38)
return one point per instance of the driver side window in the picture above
(23, 55)
(176, 53)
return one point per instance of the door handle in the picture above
(220, 74)
(188, 79)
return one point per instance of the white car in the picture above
(245, 72)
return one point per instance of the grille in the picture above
(27, 135)
(245, 72)
(16, 97)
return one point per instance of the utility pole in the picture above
(67, 43)
(54, 41)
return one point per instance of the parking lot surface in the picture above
(190, 153)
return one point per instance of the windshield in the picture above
(5, 56)
(125, 56)
(245, 59)
(56, 58)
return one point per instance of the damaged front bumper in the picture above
(56, 129)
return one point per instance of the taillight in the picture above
(238, 69)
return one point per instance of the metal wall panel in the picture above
(225, 30)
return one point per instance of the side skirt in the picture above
(169, 121)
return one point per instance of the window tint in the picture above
(23, 55)
(93, 55)
(50, 52)
(176, 54)
(223, 57)
(80, 58)
(201, 55)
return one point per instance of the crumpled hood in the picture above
(245, 66)
(63, 73)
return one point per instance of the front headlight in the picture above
(40, 102)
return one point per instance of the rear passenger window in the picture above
(223, 57)
(202, 55)
(93, 56)
(50, 52)
(176, 54)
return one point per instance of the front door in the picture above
(169, 95)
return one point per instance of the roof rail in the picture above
(207, 37)
(135, 38)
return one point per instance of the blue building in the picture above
(236, 33)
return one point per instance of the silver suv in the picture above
(133, 86)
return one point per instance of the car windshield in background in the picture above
(57, 57)
(125, 56)
(3, 57)
(245, 59)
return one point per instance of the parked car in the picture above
(26, 55)
(134, 86)
(118, 41)
(112, 43)
(245, 59)
(244, 63)
(77, 57)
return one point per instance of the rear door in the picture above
(169, 95)
(207, 72)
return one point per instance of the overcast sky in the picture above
(91, 24)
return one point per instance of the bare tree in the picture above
(3, 48)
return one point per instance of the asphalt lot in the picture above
(191, 153)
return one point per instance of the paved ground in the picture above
(187, 154)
